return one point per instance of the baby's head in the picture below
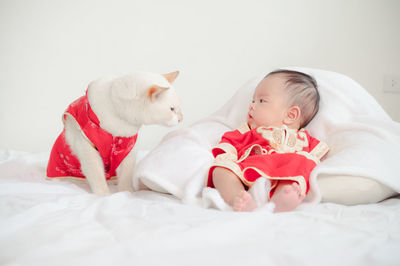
(284, 97)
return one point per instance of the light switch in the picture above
(391, 83)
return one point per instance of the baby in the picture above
(272, 144)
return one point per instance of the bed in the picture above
(180, 222)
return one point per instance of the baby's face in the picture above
(269, 105)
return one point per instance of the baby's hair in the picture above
(303, 92)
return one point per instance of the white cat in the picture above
(100, 128)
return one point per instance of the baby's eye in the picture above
(262, 101)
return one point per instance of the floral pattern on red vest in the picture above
(112, 150)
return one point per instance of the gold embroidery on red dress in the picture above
(284, 140)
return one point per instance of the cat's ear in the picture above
(171, 76)
(155, 91)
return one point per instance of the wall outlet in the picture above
(391, 83)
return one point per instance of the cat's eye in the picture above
(172, 109)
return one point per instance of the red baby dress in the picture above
(269, 152)
(63, 163)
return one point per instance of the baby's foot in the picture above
(287, 197)
(244, 202)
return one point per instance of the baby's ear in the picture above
(124, 88)
(155, 91)
(171, 76)
(292, 115)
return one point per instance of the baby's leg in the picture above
(287, 196)
(232, 190)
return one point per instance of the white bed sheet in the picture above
(46, 222)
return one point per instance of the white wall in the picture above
(50, 50)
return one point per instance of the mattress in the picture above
(49, 222)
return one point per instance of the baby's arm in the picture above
(232, 143)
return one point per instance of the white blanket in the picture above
(364, 141)
(50, 222)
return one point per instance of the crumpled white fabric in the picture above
(259, 191)
(53, 222)
(364, 141)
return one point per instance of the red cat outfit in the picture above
(270, 152)
(113, 150)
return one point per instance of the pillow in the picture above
(361, 166)
(352, 190)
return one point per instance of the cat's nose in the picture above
(180, 117)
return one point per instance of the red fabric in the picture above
(113, 150)
(275, 164)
